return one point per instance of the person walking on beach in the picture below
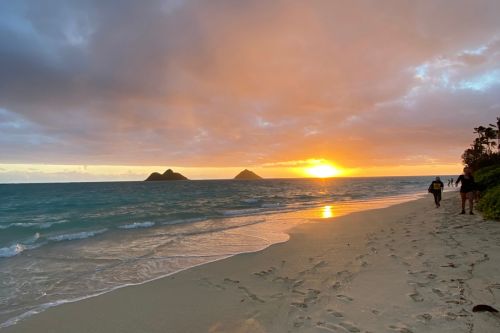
(467, 189)
(436, 188)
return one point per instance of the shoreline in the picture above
(246, 284)
(283, 222)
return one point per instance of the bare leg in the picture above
(471, 201)
(463, 196)
(436, 200)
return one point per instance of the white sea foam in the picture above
(44, 225)
(271, 205)
(19, 224)
(136, 225)
(27, 244)
(77, 235)
(33, 239)
(47, 225)
(12, 250)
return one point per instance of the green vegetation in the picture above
(488, 177)
(482, 151)
(482, 158)
(490, 203)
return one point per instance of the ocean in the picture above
(63, 242)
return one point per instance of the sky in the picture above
(113, 90)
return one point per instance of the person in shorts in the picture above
(467, 189)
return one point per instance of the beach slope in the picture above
(406, 268)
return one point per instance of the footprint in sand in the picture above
(277, 296)
(251, 295)
(450, 316)
(335, 313)
(209, 283)
(419, 284)
(349, 326)
(300, 305)
(416, 297)
(336, 285)
(265, 273)
(285, 280)
(431, 276)
(345, 298)
(437, 292)
(301, 321)
(424, 317)
(342, 326)
(400, 329)
(298, 283)
(312, 296)
(320, 264)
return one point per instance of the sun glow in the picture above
(323, 171)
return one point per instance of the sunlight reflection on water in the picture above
(327, 212)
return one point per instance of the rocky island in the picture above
(247, 174)
(167, 175)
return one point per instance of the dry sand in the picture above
(406, 268)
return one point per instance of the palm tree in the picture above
(498, 133)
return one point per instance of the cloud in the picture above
(230, 83)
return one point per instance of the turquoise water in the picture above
(63, 242)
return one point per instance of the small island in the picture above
(167, 175)
(247, 174)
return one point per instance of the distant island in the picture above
(167, 175)
(247, 174)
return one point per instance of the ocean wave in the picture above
(246, 211)
(77, 235)
(47, 225)
(44, 225)
(250, 200)
(271, 205)
(221, 228)
(136, 225)
(33, 239)
(182, 221)
(19, 224)
(12, 250)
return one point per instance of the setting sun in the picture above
(323, 171)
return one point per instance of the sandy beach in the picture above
(406, 268)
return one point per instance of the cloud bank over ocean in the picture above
(230, 83)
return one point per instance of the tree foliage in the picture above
(483, 156)
(484, 150)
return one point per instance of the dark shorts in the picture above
(467, 189)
